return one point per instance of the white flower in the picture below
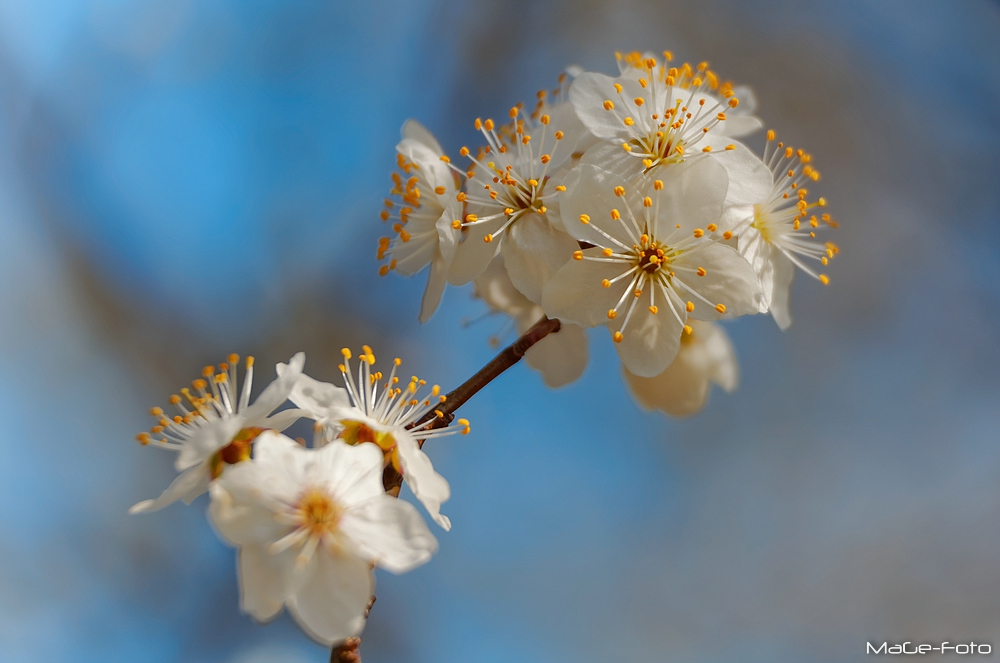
(740, 119)
(309, 523)
(216, 425)
(428, 218)
(559, 357)
(652, 262)
(375, 409)
(649, 118)
(777, 233)
(512, 193)
(705, 356)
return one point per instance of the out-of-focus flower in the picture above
(651, 262)
(705, 356)
(777, 233)
(740, 119)
(375, 409)
(309, 523)
(512, 194)
(216, 425)
(426, 216)
(559, 357)
(649, 118)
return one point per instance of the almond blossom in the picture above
(373, 408)
(512, 196)
(777, 233)
(309, 524)
(705, 356)
(559, 357)
(426, 217)
(651, 263)
(216, 425)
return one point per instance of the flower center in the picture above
(760, 223)
(236, 451)
(318, 513)
(357, 432)
(651, 259)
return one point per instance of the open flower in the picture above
(309, 523)
(559, 357)
(426, 217)
(216, 425)
(740, 119)
(651, 263)
(375, 409)
(512, 193)
(778, 232)
(648, 119)
(705, 356)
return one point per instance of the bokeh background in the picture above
(181, 179)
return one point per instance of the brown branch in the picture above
(347, 652)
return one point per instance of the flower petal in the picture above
(560, 357)
(575, 293)
(783, 276)
(427, 485)
(474, 254)
(277, 392)
(692, 197)
(729, 280)
(750, 180)
(389, 533)
(188, 485)
(533, 251)
(352, 473)
(590, 196)
(317, 398)
(266, 580)
(650, 341)
(331, 605)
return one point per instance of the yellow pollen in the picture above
(688, 330)
(544, 119)
(721, 308)
(639, 101)
(607, 253)
(727, 235)
(824, 279)
(619, 191)
(730, 147)
(770, 134)
(712, 227)
(612, 314)
(647, 202)
(701, 271)
(606, 283)
(456, 224)
(559, 135)
(658, 185)
(615, 215)
(617, 337)
(653, 310)
(707, 148)
(445, 159)
(584, 218)
(560, 188)
(698, 232)
(488, 125)
(488, 238)
(618, 88)
(577, 255)
(608, 105)
(689, 307)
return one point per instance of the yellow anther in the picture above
(707, 148)
(608, 104)
(233, 359)
(544, 119)
(488, 125)
(383, 270)
(668, 56)
(647, 162)
(727, 235)
(626, 147)
(445, 158)
(208, 371)
(653, 310)
(545, 158)
(639, 101)
(618, 88)
(533, 182)
(821, 202)
(721, 308)
(824, 279)
(577, 255)
(471, 218)
(770, 134)
(628, 121)
(615, 215)
(508, 211)
(156, 412)
(456, 224)
(346, 352)
(560, 188)
(730, 147)
(488, 238)
(607, 252)
(689, 307)
(612, 314)
(619, 191)
(644, 239)
(658, 185)
(478, 124)
(712, 227)
(643, 83)
(606, 283)
(558, 135)
(734, 102)
(617, 337)
(513, 112)
(698, 232)
(584, 218)
(647, 202)
(721, 117)
(701, 271)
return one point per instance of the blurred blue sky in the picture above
(179, 180)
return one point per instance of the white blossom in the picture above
(426, 216)
(309, 523)
(778, 232)
(651, 263)
(650, 118)
(373, 408)
(705, 356)
(216, 425)
(560, 357)
(512, 196)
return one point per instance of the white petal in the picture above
(352, 473)
(266, 580)
(725, 369)
(693, 195)
(389, 533)
(418, 132)
(750, 180)
(277, 392)
(590, 192)
(560, 357)
(188, 485)
(650, 341)
(611, 157)
(533, 251)
(784, 274)
(207, 440)
(427, 485)
(588, 94)
(494, 287)
(733, 216)
(737, 125)
(473, 254)
(575, 292)
(729, 280)
(241, 520)
(316, 397)
(331, 605)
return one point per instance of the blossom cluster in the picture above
(310, 521)
(627, 202)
